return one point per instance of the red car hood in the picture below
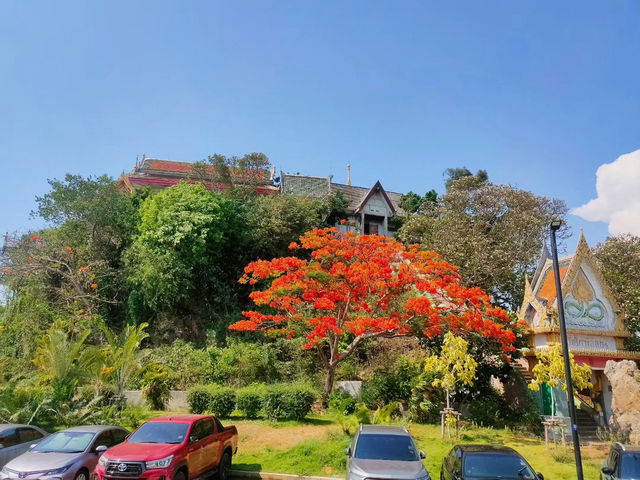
(141, 452)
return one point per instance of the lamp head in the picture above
(555, 225)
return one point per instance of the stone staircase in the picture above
(587, 427)
(523, 367)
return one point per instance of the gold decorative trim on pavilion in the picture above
(623, 354)
(595, 325)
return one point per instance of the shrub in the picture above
(185, 364)
(387, 386)
(243, 363)
(198, 398)
(249, 400)
(341, 400)
(155, 387)
(288, 401)
(426, 400)
(222, 400)
(486, 412)
(211, 398)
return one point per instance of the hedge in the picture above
(284, 401)
(212, 398)
(250, 399)
(277, 401)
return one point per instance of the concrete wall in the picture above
(177, 400)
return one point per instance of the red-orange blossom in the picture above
(356, 287)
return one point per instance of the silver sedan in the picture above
(16, 439)
(66, 455)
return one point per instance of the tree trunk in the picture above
(328, 382)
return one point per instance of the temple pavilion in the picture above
(595, 326)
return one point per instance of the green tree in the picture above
(494, 233)
(64, 361)
(123, 357)
(619, 258)
(550, 370)
(412, 202)
(453, 175)
(187, 256)
(274, 221)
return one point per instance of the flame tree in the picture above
(351, 288)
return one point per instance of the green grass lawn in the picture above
(317, 447)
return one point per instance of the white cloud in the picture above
(618, 202)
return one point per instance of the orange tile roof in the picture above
(548, 288)
(187, 168)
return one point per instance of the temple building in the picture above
(369, 210)
(158, 174)
(595, 325)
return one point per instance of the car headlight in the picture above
(356, 476)
(103, 461)
(4, 471)
(162, 463)
(424, 477)
(57, 471)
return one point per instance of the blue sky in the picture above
(540, 94)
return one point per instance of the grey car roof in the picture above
(384, 429)
(7, 426)
(91, 428)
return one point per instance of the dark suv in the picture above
(623, 463)
(486, 461)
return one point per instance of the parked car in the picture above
(623, 463)
(384, 451)
(172, 447)
(16, 439)
(70, 454)
(487, 462)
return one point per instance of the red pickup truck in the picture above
(180, 447)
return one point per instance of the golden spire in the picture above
(349, 174)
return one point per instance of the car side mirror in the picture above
(540, 476)
(347, 451)
(100, 449)
(193, 439)
(607, 470)
(422, 455)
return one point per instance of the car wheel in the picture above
(82, 475)
(225, 466)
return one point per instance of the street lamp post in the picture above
(555, 225)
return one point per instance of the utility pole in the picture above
(555, 225)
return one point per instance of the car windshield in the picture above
(630, 465)
(65, 442)
(160, 432)
(378, 446)
(496, 465)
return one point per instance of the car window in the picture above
(104, 439)
(65, 442)
(219, 427)
(496, 465)
(160, 432)
(379, 446)
(199, 431)
(630, 465)
(119, 436)
(9, 438)
(28, 435)
(207, 427)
